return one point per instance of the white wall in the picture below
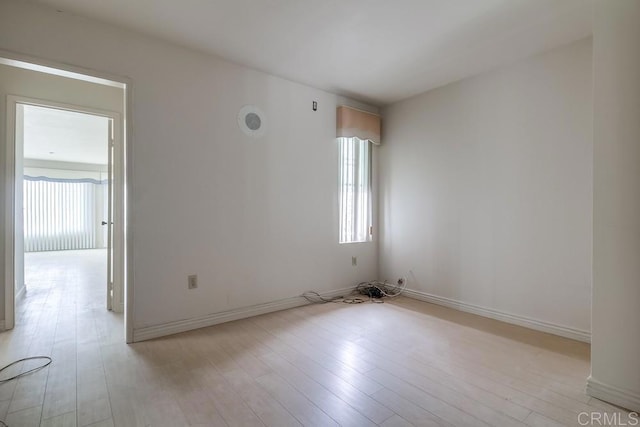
(615, 349)
(486, 189)
(256, 219)
(31, 84)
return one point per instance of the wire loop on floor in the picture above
(30, 371)
(22, 374)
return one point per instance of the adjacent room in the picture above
(65, 207)
(354, 213)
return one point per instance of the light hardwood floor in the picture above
(400, 363)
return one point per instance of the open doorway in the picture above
(67, 203)
(68, 209)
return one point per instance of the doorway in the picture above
(67, 208)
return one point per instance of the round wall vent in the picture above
(252, 121)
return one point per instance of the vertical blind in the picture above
(61, 214)
(355, 190)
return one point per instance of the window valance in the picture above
(352, 122)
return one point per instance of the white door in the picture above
(109, 222)
(115, 219)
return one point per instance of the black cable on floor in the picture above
(22, 374)
(30, 371)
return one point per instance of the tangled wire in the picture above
(375, 290)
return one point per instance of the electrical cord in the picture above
(22, 374)
(353, 300)
(375, 290)
(379, 289)
(316, 298)
(30, 371)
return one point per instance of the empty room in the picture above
(330, 213)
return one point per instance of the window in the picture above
(61, 214)
(355, 190)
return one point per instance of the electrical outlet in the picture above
(354, 261)
(192, 281)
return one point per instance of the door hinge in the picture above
(110, 288)
(371, 230)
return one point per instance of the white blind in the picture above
(61, 214)
(355, 190)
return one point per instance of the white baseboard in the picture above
(615, 395)
(170, 328)
(538, 325)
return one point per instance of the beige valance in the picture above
(352, 122)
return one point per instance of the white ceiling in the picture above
(379, 51)
(64, 136)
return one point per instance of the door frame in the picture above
(124, 135)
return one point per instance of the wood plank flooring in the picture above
(400, 363)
